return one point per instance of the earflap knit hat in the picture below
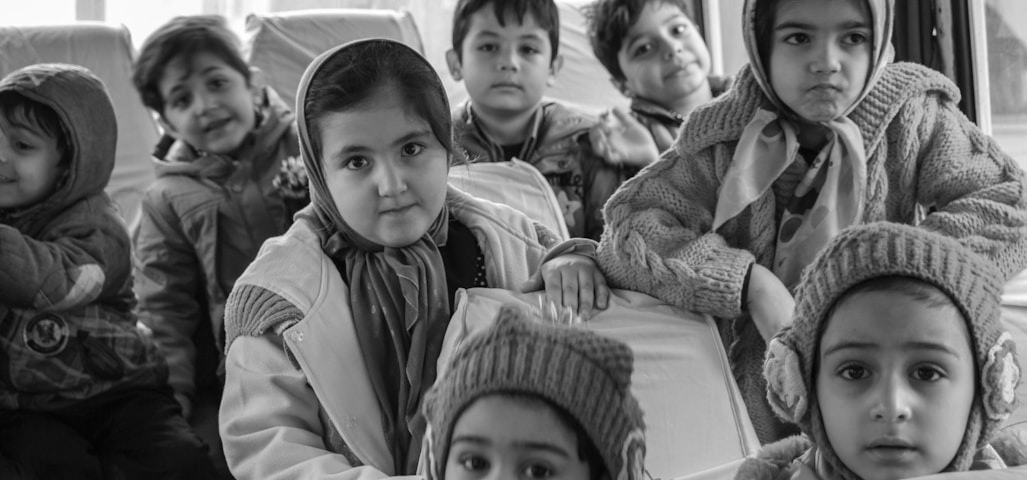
(585, 374)
(888, 250)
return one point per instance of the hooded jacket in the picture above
(203, 220)
(67, 331)
(922, 154)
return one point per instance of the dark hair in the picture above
(355, 74)
(183, 38)
(18, 110)
(766, 15)
(545, 12)
(608, 25)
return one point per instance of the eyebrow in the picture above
(482, 441)
(919, 345)
(533, 35)
(350, 149)
(188, 73)
(847, 25)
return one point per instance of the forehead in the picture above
(522, 419)
(892, 319)
(822, 12)
(182, 68)
(484, 22)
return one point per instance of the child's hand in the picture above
(620, 139)
(572, 281)
(770, 304)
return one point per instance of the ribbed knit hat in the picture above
(585, 374)
(887, 250)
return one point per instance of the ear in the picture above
(554, 69)
(622, 87)
(453, 61)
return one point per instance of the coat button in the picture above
(297, 336)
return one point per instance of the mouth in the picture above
(891, 449)
(681, 71)
(399, 210)
(6, 179)
(216, 125)
(512, 85)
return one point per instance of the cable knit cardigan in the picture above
(923, 156)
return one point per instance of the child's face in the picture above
(895, 384)
(385, 169)
(500, 438)
(29, 166)
(207, 103)
(820, 56)
(505, 68)
(663, 57)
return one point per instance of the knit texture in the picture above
(921, 153)
(583, 373)
(887, 250)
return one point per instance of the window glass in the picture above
(1007, 71)
(37, 12)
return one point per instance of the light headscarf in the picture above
(769, 144)
(398, 295)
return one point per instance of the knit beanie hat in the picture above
(886, 250)
(584, 373)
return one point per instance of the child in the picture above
(896, 365)
(526, 398)
(215, 199)
(657, 58)
(83, 391)
(334, 330)
(818, 133)
(506, 54)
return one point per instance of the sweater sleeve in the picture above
(658, 238)
(976, 189)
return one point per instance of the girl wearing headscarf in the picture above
(334, 331)
(818, 133)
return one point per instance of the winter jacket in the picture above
(67, 331)
(202, 222)
(664, 124)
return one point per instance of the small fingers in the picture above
(602, 290)
(569, 276)
(586, 293)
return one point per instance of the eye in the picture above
(642, 50)
(412, 149)
(679, 29)
(474, 463)
(853, 372)
(356, 163)
(855, 38)
(796, 39)
(218, 83)
(538, 471)
(180, 102)
(22, 146)
(488, 47)
(928, 373)
(530, 50)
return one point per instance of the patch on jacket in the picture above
(46, 334)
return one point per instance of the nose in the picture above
(508, 60)
(390, 179)
(826, 58)
(205, 101)
(893, 402)
(671, 49)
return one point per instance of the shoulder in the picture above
(561, 120)
(903, 85)
(478, 213)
